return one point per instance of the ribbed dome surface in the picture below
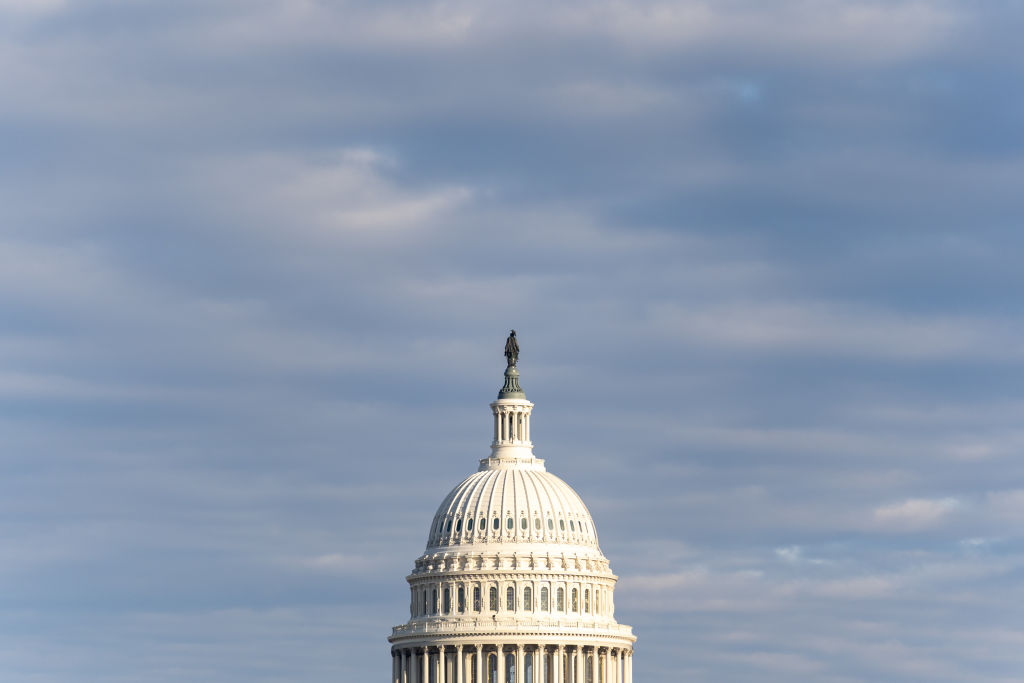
(525, 505)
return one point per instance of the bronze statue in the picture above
(511, 349)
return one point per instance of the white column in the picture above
(520, 673)
(501, 664)
(442, 663)
(424, 673)
(458, 664)
(479, 664)
(556, 669)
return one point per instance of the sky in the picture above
(258, 260)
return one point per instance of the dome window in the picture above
(462, 599)
(476, 598)
(510, 599)
(536, 523)
(551, 524)
(448, 527)
(523, 524)
(575, 600)
(492, 668)
(560, 600)
(433, 601)
(447, 601)
(527, 598)
(586, 601)
(572, 527)
(458, 526)
(561, 524)
(492, 598)
(509, 524)
(544, 599)
(469, 524)
(497, 524)
(483, 525)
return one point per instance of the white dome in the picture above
(512, 586)
(524, 504)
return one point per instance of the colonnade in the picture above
(511, 663)
(511, 424)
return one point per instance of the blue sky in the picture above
(258, 260)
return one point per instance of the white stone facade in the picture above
(512, 586)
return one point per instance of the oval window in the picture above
(536, 523)
(458, 526)
(496, 523)
(551, 525)
(509, 524)
(483, 524)
(469, 524)
(561, 524)
(522, 524)
(448, 526)
(572, 527)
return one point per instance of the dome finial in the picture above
(511, 389)
(511, 349)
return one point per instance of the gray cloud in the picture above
(256, 261)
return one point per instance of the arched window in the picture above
(528, 667)
(561, 524)
(586, 601)
(510, 599)
(509, 524)
(433, 601)
(560, 600)
(476, 598)
(523, 524)
(492, 596)
(492, 668)
(510, 667)
(469, 524)
(544, 599)
(462, 599)
(527, 598)
(447, 601)
(575, 600)
(597, 601)
(496, 524)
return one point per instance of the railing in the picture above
(476, 626)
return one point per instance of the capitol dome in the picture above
(512, 586)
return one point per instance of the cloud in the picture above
(257, 260)
(916, 513)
